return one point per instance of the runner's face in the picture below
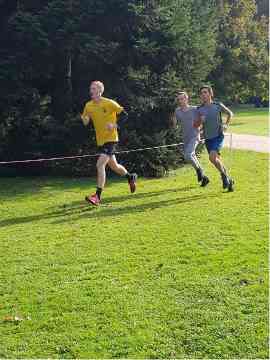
(95, 91)
(205, 95)
(182, 100)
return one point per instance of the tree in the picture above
(242, 52)
(158, 48)
(143, 51)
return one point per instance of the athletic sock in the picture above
(224, 172)
(128, 175)
(225, 180)
(224, 175)
(98, 192)
(200, 174)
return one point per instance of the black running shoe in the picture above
(225, 181)
(205, 181)
(231, 185)
(132, 181)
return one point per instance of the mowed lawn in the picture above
(250, 121)
(173, 271)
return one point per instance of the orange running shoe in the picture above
(94, 200)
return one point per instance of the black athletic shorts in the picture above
(108, 148)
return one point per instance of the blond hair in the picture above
(183, 93)
(100, 86)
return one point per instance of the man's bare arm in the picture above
(173, 121)
(85, 119)
(198, 122)
(228, 112)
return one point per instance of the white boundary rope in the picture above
(61, 158)
(85, 156)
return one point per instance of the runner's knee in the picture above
(188, 156)
(101, 163)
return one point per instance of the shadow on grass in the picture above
(132, 209)
(80, 210)
(128, 197)
(11, 188)
(237, 124)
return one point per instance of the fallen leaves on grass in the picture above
(15, 319)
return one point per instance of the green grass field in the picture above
(250, 121)
(173, 271)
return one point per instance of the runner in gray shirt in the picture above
(210, 119)
(186, 115)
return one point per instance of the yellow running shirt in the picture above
(101, 114)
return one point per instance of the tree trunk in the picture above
(62, 88)
(62, 97)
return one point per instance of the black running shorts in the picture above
(108, 148)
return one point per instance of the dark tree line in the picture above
(144, 51)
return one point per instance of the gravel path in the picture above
(248, 142)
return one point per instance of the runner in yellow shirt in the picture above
(104, 114)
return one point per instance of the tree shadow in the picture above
(112, 212)
(39, 217)
(81, 209)
(28, 186)
(117, 199)
(237, 124)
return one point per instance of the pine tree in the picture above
(143, 51)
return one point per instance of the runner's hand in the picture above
(85, 120)
(110, 126)
(225, 127)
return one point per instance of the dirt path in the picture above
(248, 142)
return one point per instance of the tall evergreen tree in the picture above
(50, 50)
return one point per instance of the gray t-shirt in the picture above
(211, 119)
(186, 119)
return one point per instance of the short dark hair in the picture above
(209, 88)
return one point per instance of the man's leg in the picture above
(190, 157)
(101, 179)
(116, 167)
(215, 159)
(101, 172)
(190, 154)
(122, 171)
